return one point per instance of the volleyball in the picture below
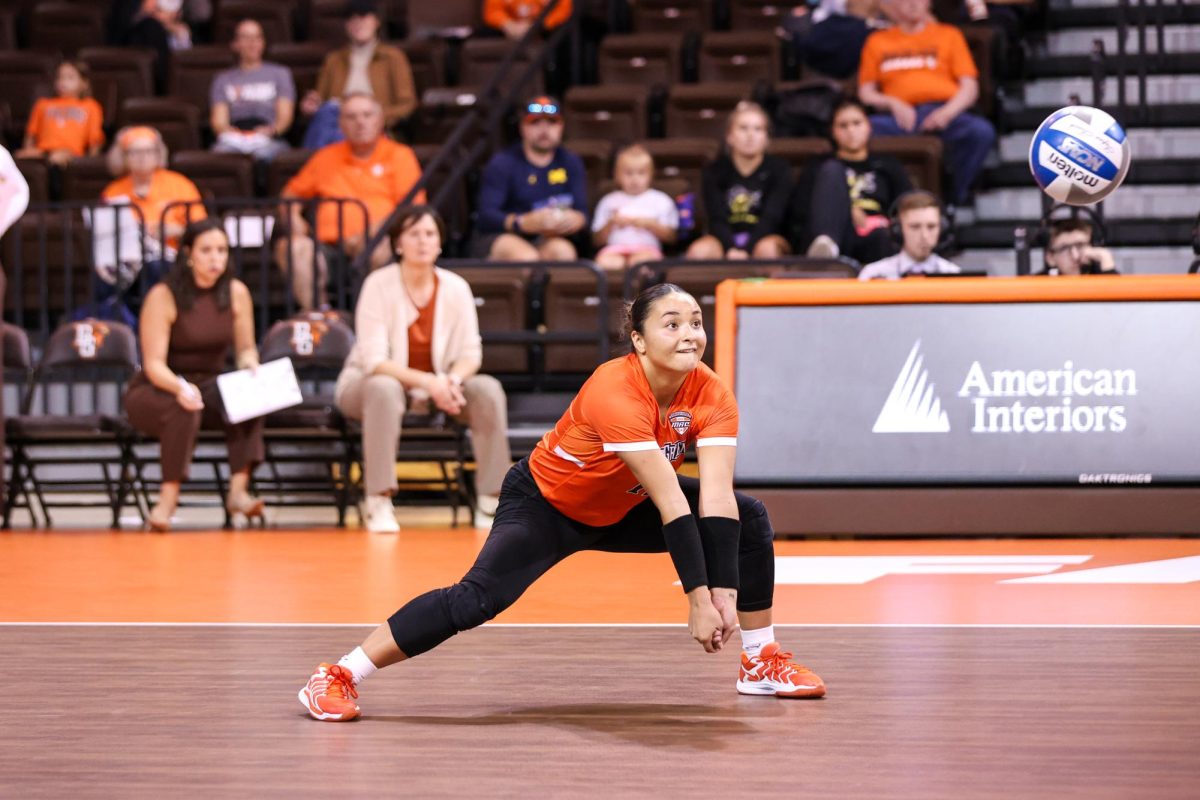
(1079, 155)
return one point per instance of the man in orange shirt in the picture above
(369, 173)
(514, 17)
(921, 73)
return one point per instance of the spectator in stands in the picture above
(418, 348)
(365, 66)
(852, 192)
(188, 324)
(532, 196)
(919, 217)
(366, 167)
(632, 224)
(159, 25)
(830, 39)
(745, 193)
(167, 200)
(921, 73)
(253, 103)
(1071, 250)
(513, 18)
(66, 126)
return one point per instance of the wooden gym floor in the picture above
(147, 666)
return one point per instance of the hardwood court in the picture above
(955, 669)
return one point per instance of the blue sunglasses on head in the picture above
(542, 108)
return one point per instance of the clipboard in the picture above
(247, 395)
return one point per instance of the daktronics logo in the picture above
(1066, 400)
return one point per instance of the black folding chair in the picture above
(83, 370)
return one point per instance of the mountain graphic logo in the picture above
(912, 406)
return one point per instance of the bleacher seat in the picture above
(440, 111)
(37, 175)
(597, 160)
(24, 77)
(920, 155)
(502, 304)
(177, 119)
(275, 17)
(572, 304)
(757, 15)
(8, 29)
(85, 178)
(742, 56)
(217, 175)
(434, 18)
(981, 41)
(682, 157)
(656, 16)
(642, 59)
(283, 167)
(616, 113)
(479, 60)
(129, 70)
(304, 59)
(192, 72)
(427, 58)
(51, 252)
(703, 109)
(66, 27)
(800, 151)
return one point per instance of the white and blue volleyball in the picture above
(1079, 155)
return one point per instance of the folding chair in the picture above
(85, 363)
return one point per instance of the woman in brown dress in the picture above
(187, 325)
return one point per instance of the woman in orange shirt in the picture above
(66, 126)
(605, 479)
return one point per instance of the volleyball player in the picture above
(605, 479)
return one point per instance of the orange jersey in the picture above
(65, 123)
(576, 465)
(921, 67)
(498, 12)
(166, 187)
(380, 182)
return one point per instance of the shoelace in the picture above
(781, 664)
(340, 682)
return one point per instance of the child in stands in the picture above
(632, 223)
(69, 125)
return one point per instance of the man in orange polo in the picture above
(369, 173)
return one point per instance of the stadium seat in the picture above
(757, 15)
(981, 41)
(8, 29)
(48, 257)
(642, 59)
(192, 72)
(304, 59)
(129, 70)
(480, 59)
(24, 77)
(177, 119)
(572, 304)
(921, 156)
(743, 56)
(222, 175)
(275, 17)
(456, 207)
(85, 178)
(91, 356)
(440, 111)
(441, 18)
(327, 23)
(597, 161)
(283, 167)
(616, 113)
(801, 151)
(702, 110)
(682, 157)
(427, 58)
(65, 27)
(657, 16)
(503, 306)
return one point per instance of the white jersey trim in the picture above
(629, 447)
(717, 441)
(563, 454)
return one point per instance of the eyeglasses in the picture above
(542, 108)
(1064, 248)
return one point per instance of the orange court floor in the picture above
(354, 577)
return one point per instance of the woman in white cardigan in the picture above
(418, 346)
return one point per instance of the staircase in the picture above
(1151, 217)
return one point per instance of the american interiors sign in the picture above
(988, 393)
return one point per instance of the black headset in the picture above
(894, 218)
(1041, 237)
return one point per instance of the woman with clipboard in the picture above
(187, 325)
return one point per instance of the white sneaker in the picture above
(485, 510)
(380, 514)
(823, 247)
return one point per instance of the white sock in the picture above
(361, 667)
(753, 641)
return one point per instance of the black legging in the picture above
(529, 536)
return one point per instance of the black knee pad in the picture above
(756, 524)
(470, 605)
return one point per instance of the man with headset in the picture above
(917, 223)
(1072, 250)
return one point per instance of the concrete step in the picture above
(1078, 41)
(1130, 260)
(1159, 89)
(1146, 143)
(1172, 201)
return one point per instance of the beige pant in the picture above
(379, 401)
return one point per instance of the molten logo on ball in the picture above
(1079, 155)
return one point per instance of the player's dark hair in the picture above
(637, 312)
